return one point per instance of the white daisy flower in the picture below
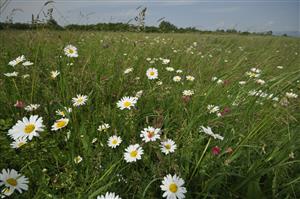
(214, 79)
(77, 159)
(255, 70)
(114, 141)
(13, 180)
(27, 128)
(208, 131)
(242, 82)
(6, 192)
(59, 124)
(64, 112)
(170, 69)
(280, 67)
(178, 71)
(190, 78)
(212, 108)
(152, 73)
(260, 81)
(71, 51)
(18, 143)
(168, 146)
(220, 81)
(127, 102)
(103, 127)
(31, 107)
(79, 100)
(27, 63)
(188, 93)
(173, 187)
(133, 153)
(25, 76)
(252, 74)
(176, 78)
(128, 70)
(109, 195)
(94, 140)
(165, 61)
(13, 74)
(150, 134)
(291, 95)
(139, 94)
(54, 74)
(159, 83)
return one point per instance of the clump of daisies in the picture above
(103, 127)
(208, 131)
(217, 80)
(170, 69)
(12, 180)
(262, 94)
(71, 51)
(79, 100)
(152, 73)
(168, 146)
(165, 61)
(31, 107)
(188, 92)
(253, 73)
(150, 134)
(173, 187)
(109, 195)
(127, 102)
(291, 95)
(114, 141)
(133, 153)
(190, 78)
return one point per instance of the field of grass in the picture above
(259, 119)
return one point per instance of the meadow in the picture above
(244, 88)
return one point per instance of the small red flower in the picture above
(226, 82)
(225, 111)
(19, 104)
(216, 150)
(186, 99)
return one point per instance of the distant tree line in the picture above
(164, 27)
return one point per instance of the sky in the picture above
(244, 15)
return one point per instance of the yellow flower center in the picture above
(21, 144)
(61, 124)
(79, 100)
(152, 73)
(168, 146)
(71, 51)
(127, 104)
(133, 153)
(29, 128)
(12, 182)
(114, 142)
(173, 188)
